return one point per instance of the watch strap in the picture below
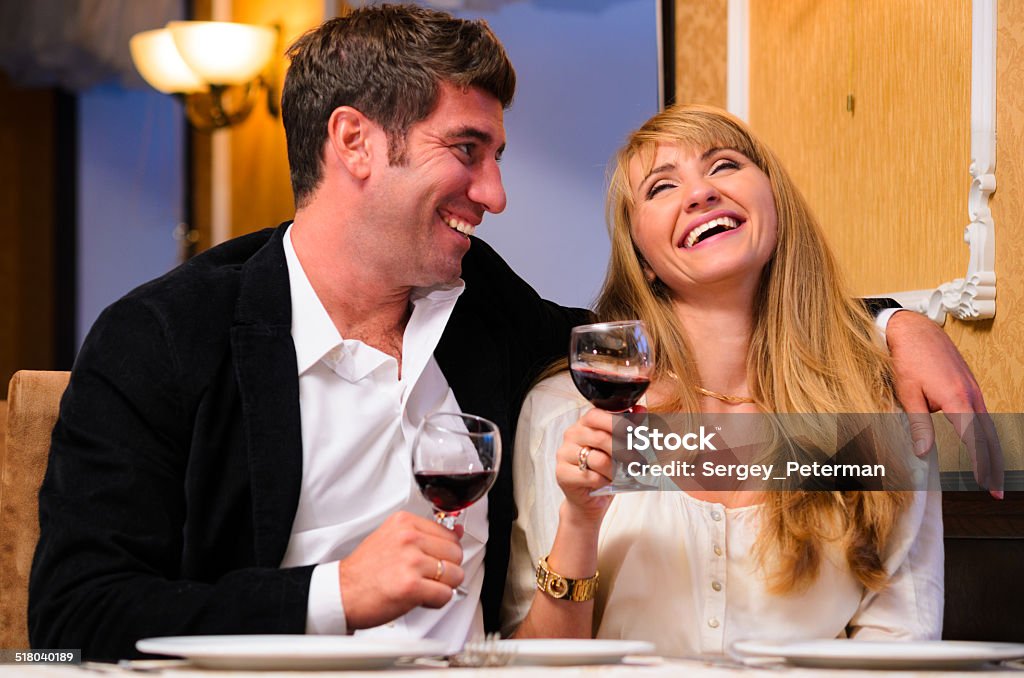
(564, 588)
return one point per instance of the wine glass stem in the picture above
(446, 519)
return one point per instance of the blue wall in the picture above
(130, 193)
(587, 76)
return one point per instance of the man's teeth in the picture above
(460, 225)
(728, 223)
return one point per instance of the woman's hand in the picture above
(589, 439)
(573, 553)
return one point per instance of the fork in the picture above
(486, 651)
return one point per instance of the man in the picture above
(232, 453)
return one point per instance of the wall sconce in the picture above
(217, 67)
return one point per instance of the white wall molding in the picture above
(973, 296)
(659, 19)
(220, 159)
(737, 80)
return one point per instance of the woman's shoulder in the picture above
(553, 397)
(557, 389)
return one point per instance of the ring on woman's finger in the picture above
(440, 570)
(583, 455)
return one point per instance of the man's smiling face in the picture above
(427, 206)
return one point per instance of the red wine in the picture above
(612, 392)
(450, 492)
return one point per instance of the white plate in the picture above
(572, 651)
(284, 652)
(866, 654)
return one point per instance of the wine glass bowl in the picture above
(455, 460)
(611, 363)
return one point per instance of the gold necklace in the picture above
(730, 399)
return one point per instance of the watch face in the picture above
(557, 586)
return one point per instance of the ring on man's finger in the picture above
(440, 570)
(583, 455)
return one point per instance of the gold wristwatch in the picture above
(562, 588)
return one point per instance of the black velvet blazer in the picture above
(175, 468)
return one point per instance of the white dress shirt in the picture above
(680, 572)
(358, 422)
(883, 318)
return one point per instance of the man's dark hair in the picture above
(388, 62)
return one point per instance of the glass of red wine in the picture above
(455, 459)
(611, 364)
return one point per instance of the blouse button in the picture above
(713, 622)
(718, 550)
(716, 516)
(716, 585)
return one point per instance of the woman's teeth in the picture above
(726, 223)
(460, 225)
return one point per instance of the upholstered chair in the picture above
(33, 399)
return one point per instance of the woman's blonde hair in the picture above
(814, 349)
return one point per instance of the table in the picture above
(654, 668)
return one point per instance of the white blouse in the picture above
(680, 572)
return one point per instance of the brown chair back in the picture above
(3, 432)
(33, 399)
(984, 565)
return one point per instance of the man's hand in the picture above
(931, 375)
(396, 569)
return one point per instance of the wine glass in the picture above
(611, 364)
(455, 459)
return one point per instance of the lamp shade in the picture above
(159, 63)
(223, 53)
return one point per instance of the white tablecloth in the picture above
(655, 668)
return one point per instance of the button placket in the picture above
(714, 608)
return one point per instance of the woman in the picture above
(716, 250)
